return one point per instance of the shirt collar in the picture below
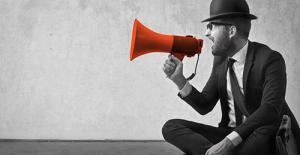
(240, 56)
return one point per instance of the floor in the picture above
(88, 148)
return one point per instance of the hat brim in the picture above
(230, 15)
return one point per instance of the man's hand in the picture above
(222, 148)
(173, 69)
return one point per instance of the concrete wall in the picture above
(65, 71)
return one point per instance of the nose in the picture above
(208, 34)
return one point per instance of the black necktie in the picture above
(238, 97)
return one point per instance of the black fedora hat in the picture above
(220, 9)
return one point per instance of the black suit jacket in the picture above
(264, 84)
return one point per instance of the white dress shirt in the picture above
(238, 68)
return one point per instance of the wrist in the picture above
(229, 143)
(180, 81)
(235, 138)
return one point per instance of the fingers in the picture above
(168, 69)
(170, 63)
(172, 66)
(174, 59)
(207, 152)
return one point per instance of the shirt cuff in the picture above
(187, 88)
(235, 138)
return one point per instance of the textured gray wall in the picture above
(65, 71)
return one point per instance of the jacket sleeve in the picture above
(203, 102)
(273, 97)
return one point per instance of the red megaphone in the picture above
(146, 41)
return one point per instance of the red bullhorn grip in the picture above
(180, 56)
(188, 46)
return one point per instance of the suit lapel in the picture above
(248, 65)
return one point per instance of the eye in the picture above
(209, 26)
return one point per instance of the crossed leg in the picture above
(195, 138)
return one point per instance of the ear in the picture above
(232, 32)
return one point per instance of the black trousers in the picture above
(195, 138)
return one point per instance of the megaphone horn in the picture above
(146, 41)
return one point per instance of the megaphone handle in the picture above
(180, 56)
(195, 72)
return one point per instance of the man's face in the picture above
(219, 35)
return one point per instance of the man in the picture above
(247, 77)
